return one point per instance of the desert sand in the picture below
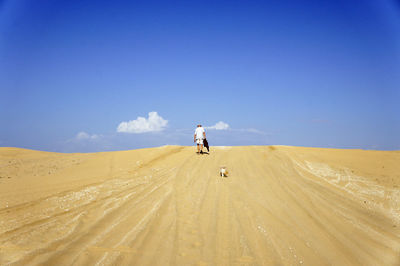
(280, 205)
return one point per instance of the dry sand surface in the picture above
(168, 206)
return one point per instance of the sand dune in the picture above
(168, 206)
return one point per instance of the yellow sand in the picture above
(168, 206)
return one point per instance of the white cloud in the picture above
(219, 126)
(83, 135)
(142, 125)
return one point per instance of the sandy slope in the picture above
(168, 206)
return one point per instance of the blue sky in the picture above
(306, 73)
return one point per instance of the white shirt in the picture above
(199, 133)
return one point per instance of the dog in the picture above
(223, 172)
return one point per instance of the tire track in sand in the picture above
(96, 214)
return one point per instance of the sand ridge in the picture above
(169, 206)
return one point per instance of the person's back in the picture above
(199, 132)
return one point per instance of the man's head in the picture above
(198, 125)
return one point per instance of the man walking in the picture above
(199, 136)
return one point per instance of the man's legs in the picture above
(199, 146)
